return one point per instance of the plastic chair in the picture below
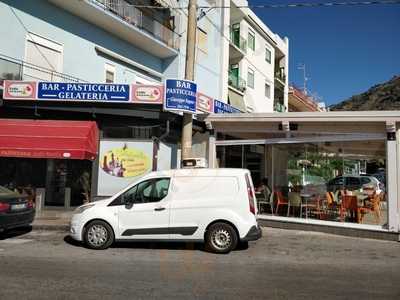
(349, 207)
(280, 200)
(294, 200)
(267, 200)
(374, 206)
(311, 204)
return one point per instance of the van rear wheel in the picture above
(221, 238)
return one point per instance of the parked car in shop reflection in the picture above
(353, 183)
(16, 210)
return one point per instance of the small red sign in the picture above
(20, 90)
(150, 94)
(204, 103)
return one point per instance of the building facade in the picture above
(98, 41)
(300, 101)
(257, 62)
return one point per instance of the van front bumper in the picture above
(254, 234)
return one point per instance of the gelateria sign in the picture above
(179, 95)
(121, 163)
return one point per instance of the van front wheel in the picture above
(221, 238)
(98, 235)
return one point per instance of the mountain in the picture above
(385, 96)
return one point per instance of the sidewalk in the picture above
(52, 220)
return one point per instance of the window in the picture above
(152, 190)
(251, 40)
(110, 73)
(267, 55)
(45, 54)
(352, 181)
(202, 43)
(250, 78)
(267, 90)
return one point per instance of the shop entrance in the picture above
(251, 157)
(58, 183)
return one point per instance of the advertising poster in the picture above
(121, 163)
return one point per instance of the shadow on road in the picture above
(155, 245)
(15, 232)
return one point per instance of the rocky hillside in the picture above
(385, 96)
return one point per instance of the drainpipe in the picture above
(156, 145)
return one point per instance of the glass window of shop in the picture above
(331, 181)
(66, 183)
(251, 157)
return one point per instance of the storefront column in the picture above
(212, 153)
(392, 177)
(398, 174)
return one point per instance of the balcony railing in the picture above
(280, 74)
(238, 41)
(279, 107)
(133, 16)
(236, 82)
(14, 69)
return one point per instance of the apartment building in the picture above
(97, 41)
(257, 64)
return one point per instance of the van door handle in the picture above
(159, 208)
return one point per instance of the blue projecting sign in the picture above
(180, 95)
(83, 91)
(224, 108)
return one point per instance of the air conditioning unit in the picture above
(199, 162)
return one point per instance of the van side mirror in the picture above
(128, 204)
(128, 201)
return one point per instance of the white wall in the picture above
(255, 98)
(263, 71)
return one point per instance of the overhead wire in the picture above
(258, 6)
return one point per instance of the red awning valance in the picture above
(48, 139)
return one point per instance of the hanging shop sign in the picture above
(180, 95)
(224, 108)
(148, 94)
(204, 103)
(83, 91)
(19, 90)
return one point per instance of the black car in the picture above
(16, 210)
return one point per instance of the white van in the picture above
(215, 206)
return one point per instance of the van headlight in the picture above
(82, 208)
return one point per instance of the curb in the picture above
(50, 227)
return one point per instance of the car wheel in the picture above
(221, 238)
(98, 235)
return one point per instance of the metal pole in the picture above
(189, 75)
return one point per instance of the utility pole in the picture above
(189, 75)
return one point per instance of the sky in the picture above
(346, 49)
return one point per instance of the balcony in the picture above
(237, 46)
(127, 22)
(14, 69)
(280, 75)
(236, 82)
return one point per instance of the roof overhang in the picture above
(259, 124)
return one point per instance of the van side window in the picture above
(152, 190)
(128, 196)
